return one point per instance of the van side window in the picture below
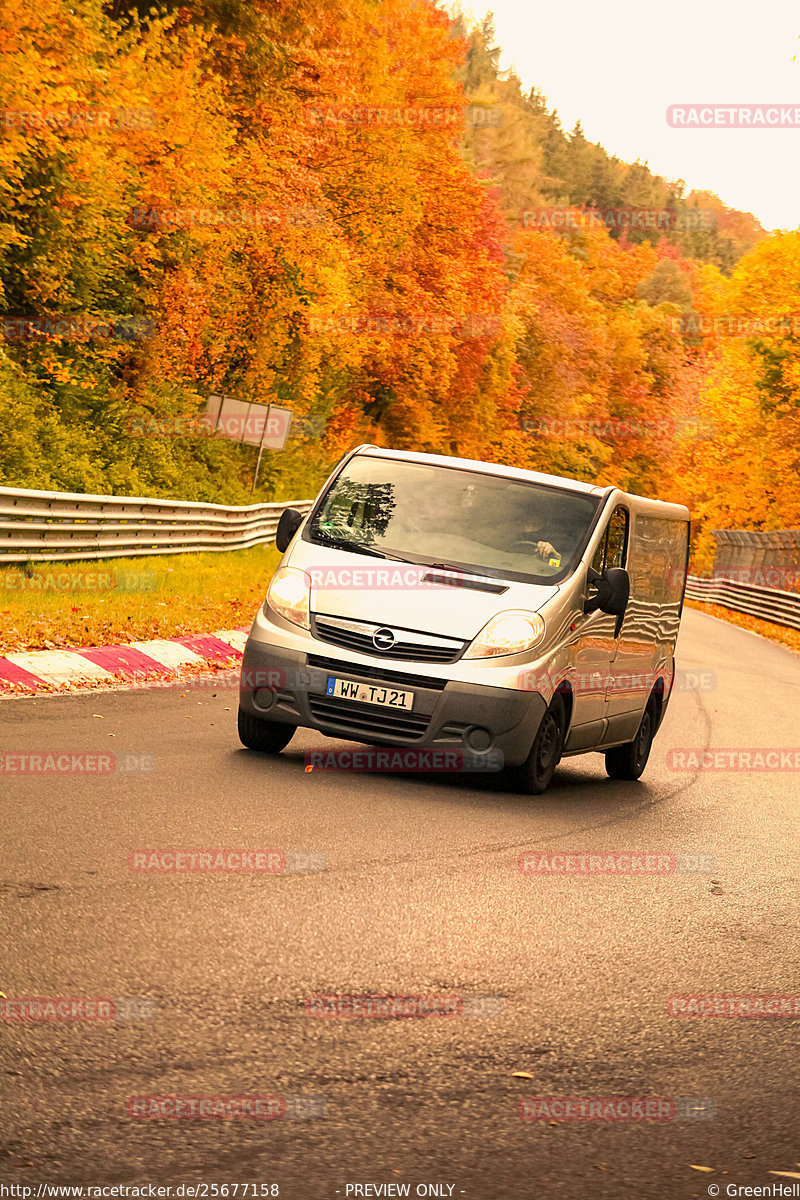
(612, 549)
(617, 538)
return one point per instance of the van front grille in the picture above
(405, 644)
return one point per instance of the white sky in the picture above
(618, 66)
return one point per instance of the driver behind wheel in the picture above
(532, 530)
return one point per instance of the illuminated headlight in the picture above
(289, 594)
(507, 633)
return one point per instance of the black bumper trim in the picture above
(511, 717)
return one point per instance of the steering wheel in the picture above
(528, 544)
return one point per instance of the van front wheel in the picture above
(536, 773)
(269, 737)
(630, 760)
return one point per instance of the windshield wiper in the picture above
(478, 572)
(355, 547)
(446, 567)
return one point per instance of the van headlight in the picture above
(510, 632)
(289, 595)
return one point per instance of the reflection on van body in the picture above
(504, 576)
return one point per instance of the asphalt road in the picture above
(422, 894)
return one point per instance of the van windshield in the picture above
(445, 516)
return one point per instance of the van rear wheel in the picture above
(630, 760)
(536, 773)
(269, 737)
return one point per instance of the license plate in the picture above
(368, 693)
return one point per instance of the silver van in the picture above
(443, 603)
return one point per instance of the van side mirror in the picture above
(613, 592)
(290, 522)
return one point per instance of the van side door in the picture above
(596, 645)
(636, 651)
(646, 646)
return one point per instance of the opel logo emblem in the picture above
(383, 639)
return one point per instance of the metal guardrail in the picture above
(769, 604)
(65, 526)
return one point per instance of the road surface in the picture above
(422, 895)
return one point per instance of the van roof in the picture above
(474, 464)
(572, 485)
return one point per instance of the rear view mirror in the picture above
(290, 522)
(620, 585)
(613, 591)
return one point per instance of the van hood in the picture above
(362, 588)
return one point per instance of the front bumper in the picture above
(492, 723)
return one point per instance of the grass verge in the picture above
(48, 606)
(790, 638)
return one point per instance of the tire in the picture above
(269, 737)
(536, 773)
(630, 760)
